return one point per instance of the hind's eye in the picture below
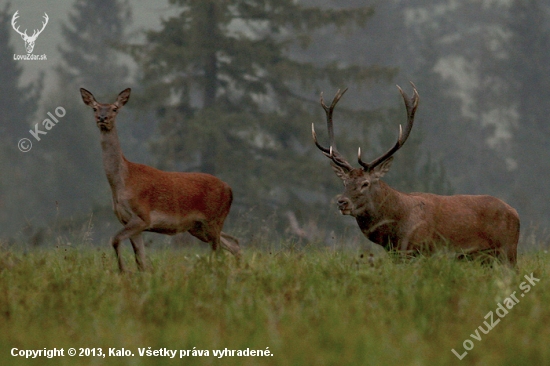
(95, 109)
(114, 110)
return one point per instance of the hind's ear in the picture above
(123, 97)
(87, 97)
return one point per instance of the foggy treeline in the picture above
(231, 88)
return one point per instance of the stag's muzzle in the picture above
(344, 205)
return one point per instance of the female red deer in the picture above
(418, 222)
(148, 199)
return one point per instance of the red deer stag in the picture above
(418, 222)
(148, 199)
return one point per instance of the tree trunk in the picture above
(208, 153)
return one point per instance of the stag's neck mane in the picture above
(114, 162)
(392, 204)
(381, 224)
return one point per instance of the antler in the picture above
(331, 152)
(43, 26)
(36, 32)
(13, 19)
(411, 104)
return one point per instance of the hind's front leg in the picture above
(139, 251)
(133, 228)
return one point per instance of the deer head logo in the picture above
(29, 40)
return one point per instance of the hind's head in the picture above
(105, 114)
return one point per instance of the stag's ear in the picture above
(123, 97)
(340, 172)
(380, 170)
(87, 97)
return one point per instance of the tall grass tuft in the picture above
(309, 306)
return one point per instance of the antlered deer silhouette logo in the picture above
(29, 40)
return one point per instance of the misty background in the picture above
(231, 88)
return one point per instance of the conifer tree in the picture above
(89, 59)
(18, 106)
(526, 70)
(243, 106)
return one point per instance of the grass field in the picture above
(307, 307)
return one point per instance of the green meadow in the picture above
(290, 306)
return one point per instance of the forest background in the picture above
(232, 87)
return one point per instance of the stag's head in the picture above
(362, 185)
(29, 40)
(105, 114)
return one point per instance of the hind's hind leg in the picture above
(231, 244)
(205, 233)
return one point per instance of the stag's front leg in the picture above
(404, 245)
(413, 238)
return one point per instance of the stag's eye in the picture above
(365, 185)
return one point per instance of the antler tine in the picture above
(45, 22)
(323, 149)
(36, 31)
(331, 152)
(329, 111)
(372, 164)
(410, 104)
(13, 19)
(339, 160)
